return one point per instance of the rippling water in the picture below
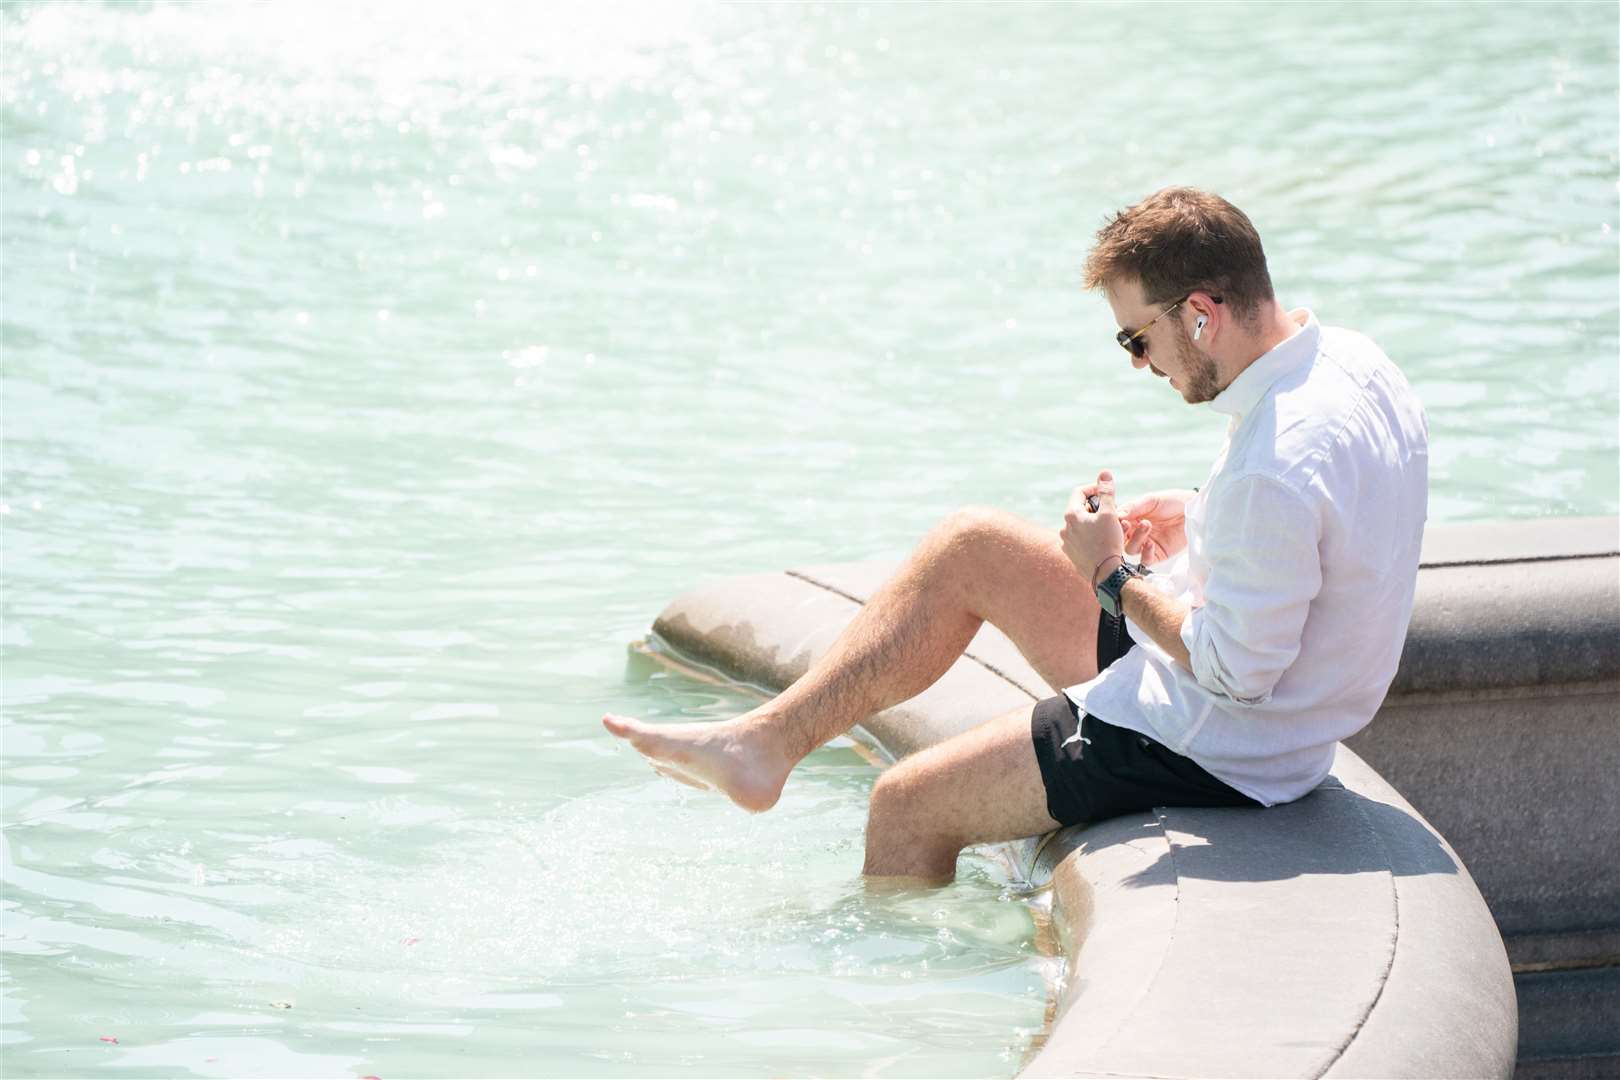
(373, 375)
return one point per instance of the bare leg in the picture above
(976, 566)
(980, 786)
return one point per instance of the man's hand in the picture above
(1156, 525)
(1093, 539)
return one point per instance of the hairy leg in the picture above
(981, 786)
(975, 566)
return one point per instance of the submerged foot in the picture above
(731, 756)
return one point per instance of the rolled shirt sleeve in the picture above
(1260, 546)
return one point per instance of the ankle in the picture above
(771, 733)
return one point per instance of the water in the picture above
(373, 375)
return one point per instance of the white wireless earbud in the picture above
(1198, 327)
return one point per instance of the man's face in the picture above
(1171, 353)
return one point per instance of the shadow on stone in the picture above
(1331, 831)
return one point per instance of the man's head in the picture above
(1186, 277)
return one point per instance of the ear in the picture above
(1206, 313)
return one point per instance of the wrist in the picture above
(1095, 581)
(1110, 591)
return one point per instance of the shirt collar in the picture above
(1245, 391)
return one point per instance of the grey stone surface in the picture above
(1580, 1067)
(763, 629)
(1527, 538)
(1503, 728)
(1561, 1013)
(1129, 886)
(1526, 790)
(1541, 951)
(1342, 921)
(1487, 627)
(1284, 923)
(1444, 933)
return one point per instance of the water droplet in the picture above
(66, 182)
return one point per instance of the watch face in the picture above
(1108, 592)
(1107, 602)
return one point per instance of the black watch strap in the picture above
(1109, 590)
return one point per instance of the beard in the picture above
(1200, 382)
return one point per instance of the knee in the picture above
(901, 809)
(903, 835)
(971, 528)
(890, 794)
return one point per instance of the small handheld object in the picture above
(1092, 503)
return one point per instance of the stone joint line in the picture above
(1394, 944)
(1489, 561)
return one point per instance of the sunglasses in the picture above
(1133, 343)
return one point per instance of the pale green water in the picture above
(373, 375)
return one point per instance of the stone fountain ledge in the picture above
(1340, 935)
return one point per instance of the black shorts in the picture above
(1112, 770)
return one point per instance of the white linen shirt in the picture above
(1300, 566)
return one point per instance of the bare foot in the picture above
(736, 757)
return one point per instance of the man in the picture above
(1269, 628)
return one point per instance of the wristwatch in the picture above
(1108, 592)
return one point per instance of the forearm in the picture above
(1159, 615)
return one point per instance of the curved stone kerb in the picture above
(1450, 970)
(1335, 936)
(1283, 932)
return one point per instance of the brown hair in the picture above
(1178, 240)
